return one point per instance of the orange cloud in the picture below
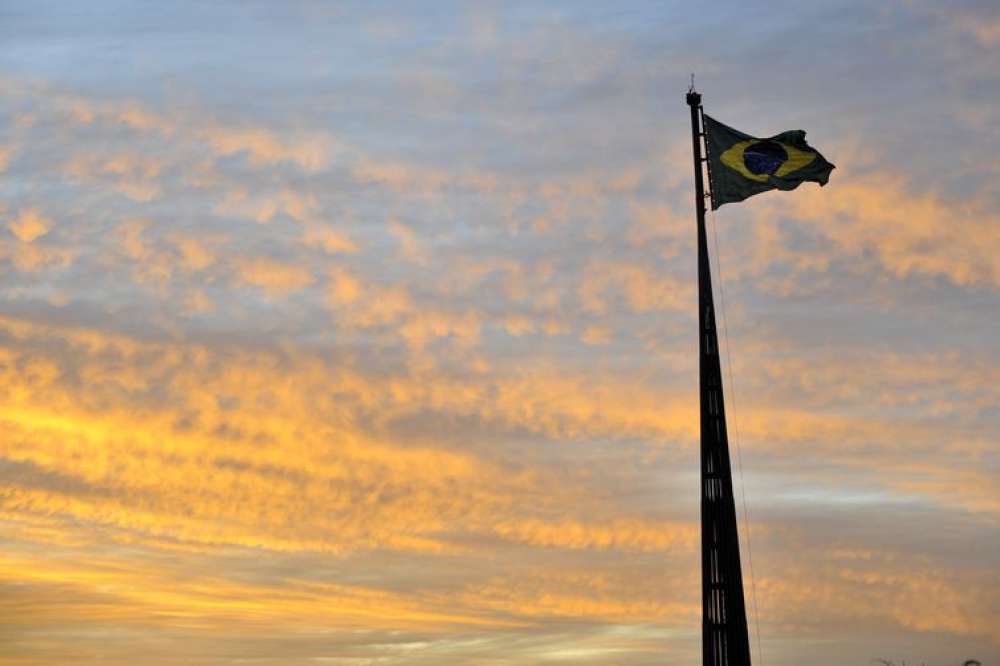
(134, 175)
(274, 277)
(343, 287)
(410, 247)
(911, 233)
(27, 255)
(194, 254)
(881, 589)
(415, 436)
(29, 225)
(5, 156)
(327, 238)
(643, 290)
(312, 153)
(624, 534)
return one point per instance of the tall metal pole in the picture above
(724, 637)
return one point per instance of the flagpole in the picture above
(725, 640)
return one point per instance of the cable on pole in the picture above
(736, 437)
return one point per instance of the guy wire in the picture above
(736, 438)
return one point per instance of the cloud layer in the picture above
(367, 337)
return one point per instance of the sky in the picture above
(365, 332)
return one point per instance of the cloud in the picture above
(343, 287)
(643, 290)
(251, 451)
(409, 246)
(624, 534)
(274, 277)
(24, 253)
(29, 225)
(596, 335)
(982, 23)
(886, 589)
(194, 254)
(577, 596)
(912, 234)
(986, 30)
(330, 240)
(263, 147)
(134, 175)
(333, 377)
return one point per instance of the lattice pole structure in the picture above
(725, 640)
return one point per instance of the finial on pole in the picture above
(693, 98)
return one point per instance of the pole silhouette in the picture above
(725, 641)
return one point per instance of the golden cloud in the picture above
(274, 277)
(911, 233)
(29, 225)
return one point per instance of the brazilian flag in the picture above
(740, 166)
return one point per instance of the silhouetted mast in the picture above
(725, 640)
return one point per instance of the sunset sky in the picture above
(365, 332)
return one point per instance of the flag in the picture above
(740, 166)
